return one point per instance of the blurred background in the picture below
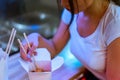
(27, 16)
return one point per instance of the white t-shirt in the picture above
(91, 50)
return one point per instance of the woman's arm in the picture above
(113, 60)
(57, 43)
(54, 45)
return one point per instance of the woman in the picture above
(94, 31)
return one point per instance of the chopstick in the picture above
(21, 46)
(10, 42)
(30, 48)
(26, 40)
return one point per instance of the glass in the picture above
(3, 65)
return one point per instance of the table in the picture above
(16, 72)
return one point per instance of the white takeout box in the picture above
(44, 59)
(3, 65)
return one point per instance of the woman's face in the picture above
(79, 5)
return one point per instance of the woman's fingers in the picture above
(26, 58)
(32, 50)
(24, 54)
(29, 51)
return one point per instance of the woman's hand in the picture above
(29, 52)
(33, 41)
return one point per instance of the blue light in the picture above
(69, 57)
(34, 27)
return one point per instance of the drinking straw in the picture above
(10, 42)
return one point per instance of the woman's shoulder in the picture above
(112, 23)
(112, 14)
(66, 16)
(114, 10)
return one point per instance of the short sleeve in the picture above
(112, 31)
(66, 16)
